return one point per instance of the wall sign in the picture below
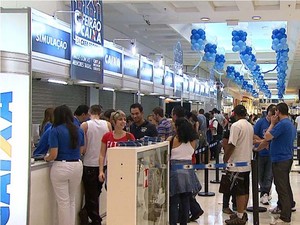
(50, 40)
(14, 148)
(112, 60)
(131, 66)
(87, 40)
(146, 71)
(169, 78)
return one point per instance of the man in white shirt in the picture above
(240, 150)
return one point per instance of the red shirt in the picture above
(110, 141)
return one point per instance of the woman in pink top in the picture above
(110, 139)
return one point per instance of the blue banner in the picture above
(131, 66)
(112, 60)
(87, 41)
(146, 71)
(50, 40)
(169, 79)
(158, 76)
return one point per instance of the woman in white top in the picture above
(183, 183)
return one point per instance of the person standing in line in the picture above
(94, 129)
(81, 114)
(297, 123)
(47, 121)
(66, 142)
(282, 134)
(265, 177)
(141, 127)
(183, 183)
(164, 127)
(240, 147)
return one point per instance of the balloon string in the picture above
(200, 60)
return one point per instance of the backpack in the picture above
(219, 128)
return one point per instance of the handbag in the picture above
(225, 183)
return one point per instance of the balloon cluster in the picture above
(210, 52)
(239, 38)
(198, 39)
(237, 78)
(219, 62)
(279, 45)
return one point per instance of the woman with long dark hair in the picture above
(183, 183)
(47, 121)
(66, 142)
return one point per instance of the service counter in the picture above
(42, 204)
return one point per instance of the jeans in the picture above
(281, 172)
(183, 201)
(265, 176)
(92, 188)
(65, 178)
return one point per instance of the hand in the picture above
(101, 177)
(264, 144)
(274, 119)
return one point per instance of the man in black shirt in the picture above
(140, 126)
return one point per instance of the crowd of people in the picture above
(78, 144)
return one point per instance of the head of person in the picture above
(48, 115)
(240, 111)
(201, 111)
(107, 114)
(270, 111)
(211, 114)
(137, 113)
(151, 119)
(215, 111)
(95, 110)
(184, 130)
(177, 112)
(158, 113)
(63, 115)
(82, 113)
(282, 110)
(118, 119)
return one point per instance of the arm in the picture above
(229, 150)
(84, 127)
(268, 136)
(52, 155)
(103, 151)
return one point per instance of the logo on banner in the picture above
(87, 41)
(5, 151)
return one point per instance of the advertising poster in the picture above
(112, 60)
(87, 41)
(14, 148)
(131, 66)
(146, 71)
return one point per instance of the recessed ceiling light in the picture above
(256, 17)
(205, 19)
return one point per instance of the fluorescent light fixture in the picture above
(108, 89)
(133, 48)
(142, 94)
(162, 97)
(256, 17)
(205, 19)
(57, 81)
(85, 82)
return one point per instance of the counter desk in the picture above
(42, 204)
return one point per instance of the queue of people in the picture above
(89, 132)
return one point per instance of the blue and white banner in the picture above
(112, 60)
(158, 75)
(14, 148)
(87, 40)
(50, 40)
(146, 71)
(169, 78)
(130, 66)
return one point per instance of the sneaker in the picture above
(264, 199)
(275, 210)
(294, 209)
(235, 221)
(279, 222)
(227, 211)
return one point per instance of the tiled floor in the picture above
(213, 205)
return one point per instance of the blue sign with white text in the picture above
(130, 66)
(50, 40)
(146, 72)
(87, 40)
(169, 79)
(112, 60)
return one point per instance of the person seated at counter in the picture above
(43, 145)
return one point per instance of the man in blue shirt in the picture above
(265, 177)
(282, 133)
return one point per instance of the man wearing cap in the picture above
(240, 146)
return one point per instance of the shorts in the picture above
(241, 183)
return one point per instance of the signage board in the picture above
(87, 41)
(14, 148)
(130, 66)
(146, 71)
(112, 60)
(169, 78)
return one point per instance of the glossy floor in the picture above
(213, 205)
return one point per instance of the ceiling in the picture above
(158, 25)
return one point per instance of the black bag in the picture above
(225, 183)
(219, 128)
